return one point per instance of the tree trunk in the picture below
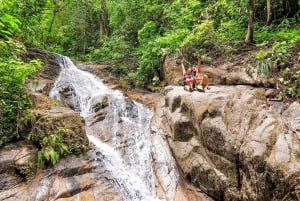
(104, 22)
(250, 32)
(51, 23)
(269, 12)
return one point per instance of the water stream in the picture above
(119, 130)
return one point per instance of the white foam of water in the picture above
(88, 88)
(125, 176)
(130, 166)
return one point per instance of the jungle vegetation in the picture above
(143, 32)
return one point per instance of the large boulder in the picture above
(60, 121)
(226, 74)
(47, 75)
(231, 143)
(73, 179)
(16, 164)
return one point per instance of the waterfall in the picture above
(119, 130)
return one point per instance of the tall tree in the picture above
(251, 18)
(104, 21)
(269, 12)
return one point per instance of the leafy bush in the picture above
(149, 52)
(154, 46)
(263, 62)
(8, 26)
(277, 62)
(268, 61)
(114, 48)
(13, 74)
(182, 14)
(230, 30)
(203, 36)
(273, 33)
(289, 82)
(13, 98)
(52, 148)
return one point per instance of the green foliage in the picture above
(52, 149)
(113, 48)
(149, 53)
(148, 63)
(8, 25)
(274, 59)
(223, 11)
(202, 36)
(276, 62)
(289, 81)
(280, 51)
(230, 31)
(206, 59)
(273, 33)
(153, 48)
(147, 31)
(155, 81)
(183, 15)
(127, 17)
(13, 98)
(263, 62)
(13, 74)
(47, 156)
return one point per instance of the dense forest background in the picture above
(136, 36)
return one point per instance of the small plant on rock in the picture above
(53, 148)
(268, 61)
(276, 62)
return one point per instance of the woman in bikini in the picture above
(200, 80)
(193, 77)
(188, 78)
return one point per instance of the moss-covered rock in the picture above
(184, 130)
(69, 125)
(54, 129)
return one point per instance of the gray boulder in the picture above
(231, 143)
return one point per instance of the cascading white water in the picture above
(127, 153)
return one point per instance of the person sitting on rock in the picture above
(193, 77)
(188, 78)
(200, 80)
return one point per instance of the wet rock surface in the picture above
(81, 177)
(74, 178)
(49, 72)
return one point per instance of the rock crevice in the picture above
(232, 144)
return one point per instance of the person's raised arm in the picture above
(183, 68)
(199, 64)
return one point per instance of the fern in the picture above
(54, 156)
(40, 161)
(47, 156)
(53, 148)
